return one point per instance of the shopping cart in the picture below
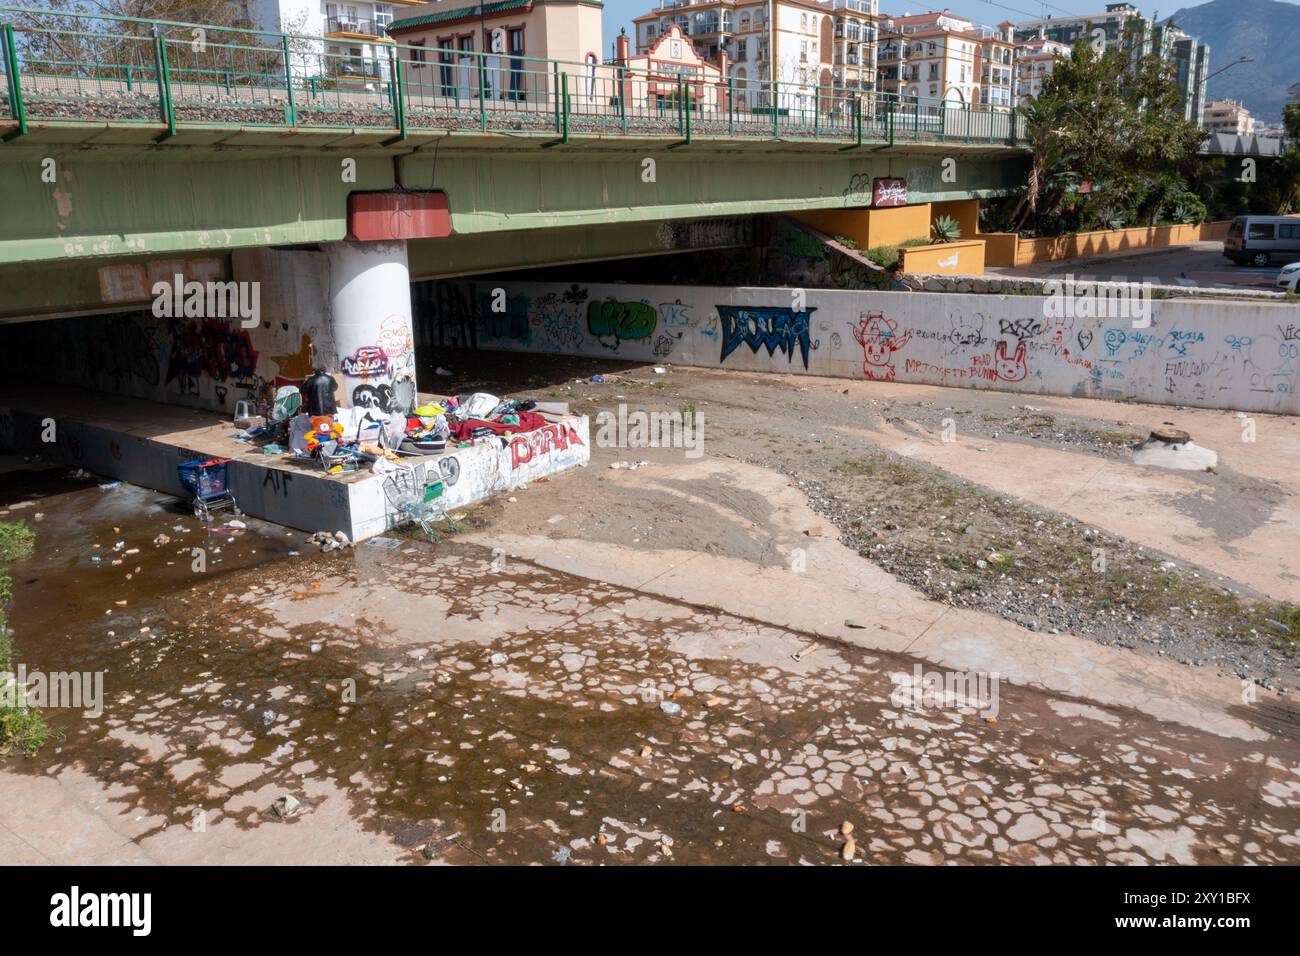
(207, 481)
(414, 495)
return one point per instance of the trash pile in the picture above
(305, 423)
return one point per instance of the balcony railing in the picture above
(367, 28)
(125, 71)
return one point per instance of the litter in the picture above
(671, 708)
(287, 806)
(801, 654)
(110, 485)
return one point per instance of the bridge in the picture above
(123, 137)
(134, 151)
(1228, 144)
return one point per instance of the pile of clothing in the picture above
(310, 426)
(482, 415)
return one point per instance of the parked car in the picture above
(1286, 279)
(1260, 240)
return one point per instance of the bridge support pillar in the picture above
(370, 314)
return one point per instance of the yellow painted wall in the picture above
(964, 258)
(1115, 240)
(872, 227)
(1000, 248)
(965, 211)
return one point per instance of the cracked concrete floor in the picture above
(499, 711)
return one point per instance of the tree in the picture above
(1113, 119)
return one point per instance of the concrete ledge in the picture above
(142, 442)
(1034, 285)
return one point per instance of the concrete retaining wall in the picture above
(1081, 244)
(1240, 356)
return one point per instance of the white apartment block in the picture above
(355, 45)
(941, 57)
(1035, 60)
(1228, 116)
(817, 45)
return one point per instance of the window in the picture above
(1260, 230)
(418, 54)
(383, 14)
(741, 46)
(650, 31)
(1286, 231)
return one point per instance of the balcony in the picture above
(345, 26)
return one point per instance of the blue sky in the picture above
(620, 12)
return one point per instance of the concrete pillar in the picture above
(370, 317)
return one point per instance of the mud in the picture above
(562, 752)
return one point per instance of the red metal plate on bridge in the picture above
(398, 215)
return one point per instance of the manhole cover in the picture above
(1173, 436)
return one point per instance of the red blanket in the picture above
(528, 421)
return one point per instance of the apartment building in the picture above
(1124, 23)
(942, 56)
(812, 44)
(1191, 60)
(505, 29)
(1228, 116)
(356, 42)
(1035, 60)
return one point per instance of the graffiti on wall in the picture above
(209, 348)
(879, 338)
(620, 321)
(1185, 354)
(775, 328)
(541, 442)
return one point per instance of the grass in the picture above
(887, 257)
(22, 730)
(1042, 551)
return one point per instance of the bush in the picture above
(888, 257)
(22, 730)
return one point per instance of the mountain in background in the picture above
(1264, 30)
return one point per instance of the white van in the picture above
(1260, 240)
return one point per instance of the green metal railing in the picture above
(62, 66)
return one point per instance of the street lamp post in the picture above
(1244, 59)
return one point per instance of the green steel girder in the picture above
(113, 196)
